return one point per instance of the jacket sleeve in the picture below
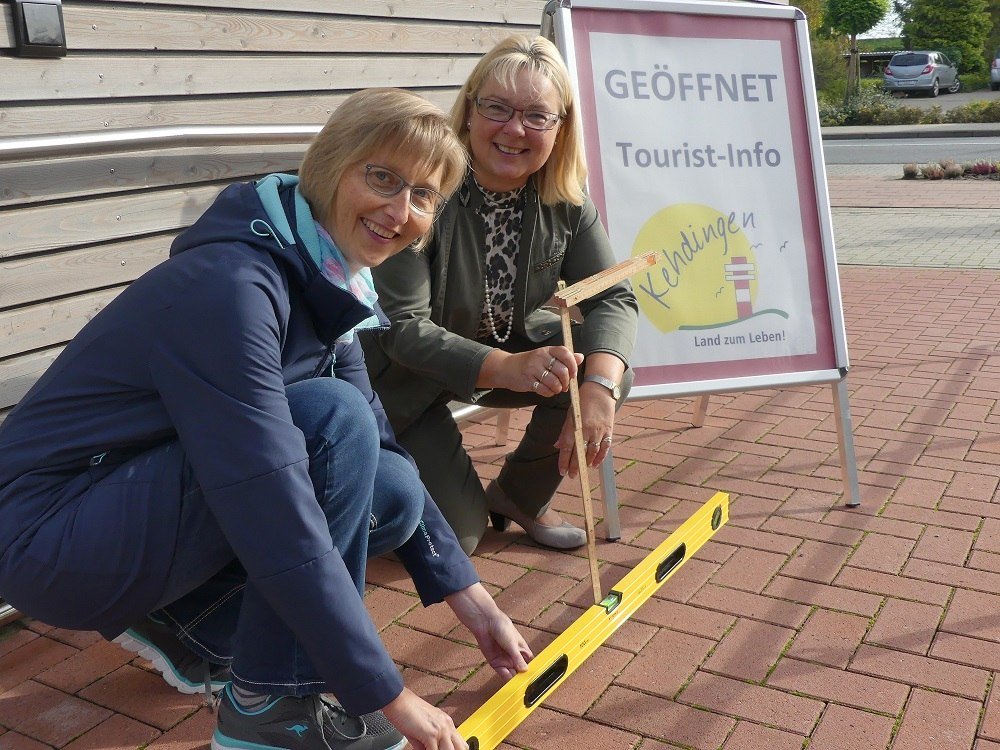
(432, 555)
(217, 366)
(610, 319)
(405, 284)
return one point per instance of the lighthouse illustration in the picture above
(741, 274)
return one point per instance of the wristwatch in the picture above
(608, 383)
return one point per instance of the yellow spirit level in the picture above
(511, 704)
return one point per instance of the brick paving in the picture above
(802, 623)
(945, 224)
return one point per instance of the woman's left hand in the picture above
(502, 645)
(597, 416)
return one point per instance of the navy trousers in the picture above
(373, 499)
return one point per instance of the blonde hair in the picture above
(373, 119)
(564, 174)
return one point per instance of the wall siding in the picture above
(75, 229)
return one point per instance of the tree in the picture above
(814, 12)
(854, 17)
(956, 27)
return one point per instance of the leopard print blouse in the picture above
(502, 214)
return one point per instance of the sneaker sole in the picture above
(221, 742)
(132, 642)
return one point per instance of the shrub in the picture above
(982, 167)
(966, 113)
(932, 116)
(932, 172)
(952, 171)
(873, 107)
(975, 81)
(899, 115)
(829, 70)
(981, 111)
(864, 109)
(910, 171)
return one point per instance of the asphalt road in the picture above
(907, 150)
(948, 101)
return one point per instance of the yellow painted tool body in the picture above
(512, 703)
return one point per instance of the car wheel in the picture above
(954, 88)
(995, 86)
(935, 88)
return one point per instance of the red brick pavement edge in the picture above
(802, 622)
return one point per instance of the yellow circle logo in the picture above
(705, 274)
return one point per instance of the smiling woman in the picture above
(468, 317)
(373, 132)
(204, 471)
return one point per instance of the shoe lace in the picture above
(343, 724)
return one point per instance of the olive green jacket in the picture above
(435, 299)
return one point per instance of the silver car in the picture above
(995, 71)
(926, 72)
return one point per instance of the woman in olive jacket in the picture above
(467, 313)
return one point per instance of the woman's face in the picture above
(369, 227)
(506, 154)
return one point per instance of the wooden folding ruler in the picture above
(511, 704)
(565, 298)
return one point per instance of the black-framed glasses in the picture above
(385, 182)
(534, 119)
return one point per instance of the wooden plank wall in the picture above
(76, 228)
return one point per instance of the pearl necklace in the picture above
(489, 312)
(491, 199)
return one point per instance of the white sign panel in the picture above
(698, 139)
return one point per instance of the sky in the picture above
(888, 27)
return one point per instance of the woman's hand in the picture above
(426, 727)
(503, 646)
(597, 416)
(546, 370)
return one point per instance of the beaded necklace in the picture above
(492, 204)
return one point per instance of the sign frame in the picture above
(557, 24)
(710, 379)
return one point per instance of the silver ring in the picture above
(607, 440)
(551, 362)
(534, 386)
(544, 373)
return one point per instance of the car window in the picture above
(945, 60)
(908, 58)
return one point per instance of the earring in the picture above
(468, 124)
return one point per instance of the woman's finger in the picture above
(603, 449)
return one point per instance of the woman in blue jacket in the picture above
(206, 468)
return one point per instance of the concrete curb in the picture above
(944, 130)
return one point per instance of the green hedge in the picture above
(876, 108)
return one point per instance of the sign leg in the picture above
(700, 411)
(845, 441)
(612, 523)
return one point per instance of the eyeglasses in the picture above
(385, 182)
(534, 119)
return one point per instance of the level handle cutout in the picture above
(544, 682)
(670, 562)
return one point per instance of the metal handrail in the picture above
(73, 144)
(7, 613)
